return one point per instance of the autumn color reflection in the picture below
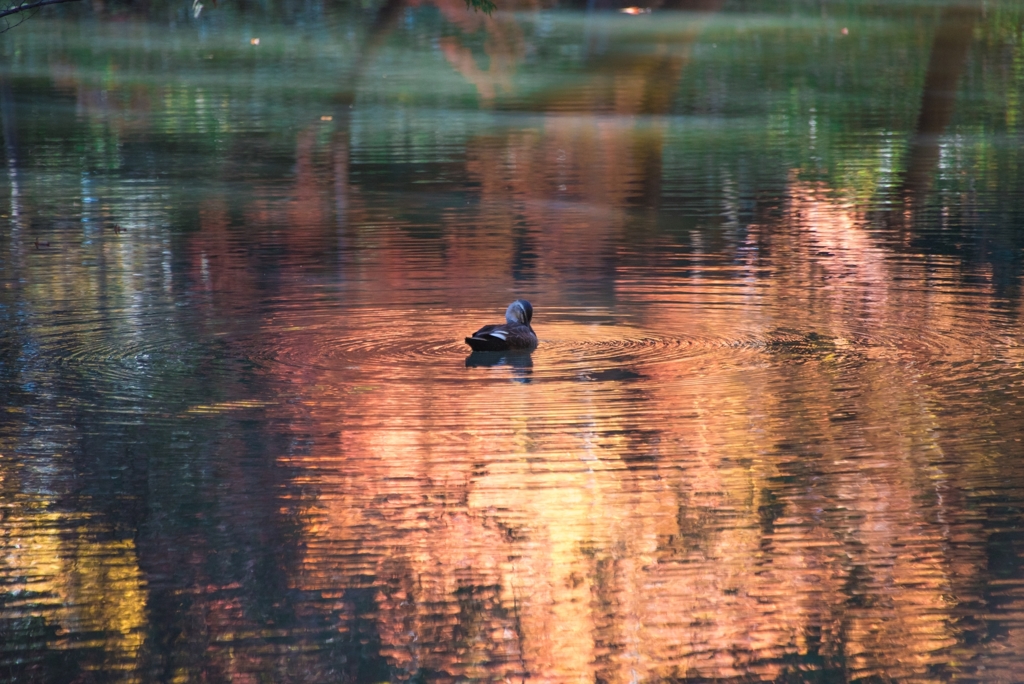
(770, 432)
(754, 508)
(669, 528)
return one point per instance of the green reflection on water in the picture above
(771, 429)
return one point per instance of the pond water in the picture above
(772, 431)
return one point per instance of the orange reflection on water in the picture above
(746, 506)
(738, 466)
(569, 524)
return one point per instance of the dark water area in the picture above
(772, 430)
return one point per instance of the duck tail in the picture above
(487, 344)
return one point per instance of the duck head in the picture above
(519, 311)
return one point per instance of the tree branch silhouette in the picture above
(29, 6)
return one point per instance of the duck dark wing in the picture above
(489, 338)
(521, 337)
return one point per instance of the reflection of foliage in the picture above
(27, 654)
(485, 6)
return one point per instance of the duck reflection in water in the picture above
(519, 360)
(515, 333)
(508, 344)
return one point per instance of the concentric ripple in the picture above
(400, 344)
(145, 364)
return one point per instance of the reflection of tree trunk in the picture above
(11, 156)
(647, 146)
(662, 79)
(11, 345)
(662, 82)
(9, 138)
(7, 114)
(949, 53)
(708, 6)
(383, 23)
(385, 20)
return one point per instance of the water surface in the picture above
(772, 431)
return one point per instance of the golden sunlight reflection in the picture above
(768, 433)
(735, 468)
(75, 583)
(692, 490)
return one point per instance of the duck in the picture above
(515, 333)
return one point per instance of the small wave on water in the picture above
(153, 365)
(117, 364)
(401, 344)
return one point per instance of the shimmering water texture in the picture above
(772, 430)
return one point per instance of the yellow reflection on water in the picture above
(76, 583)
